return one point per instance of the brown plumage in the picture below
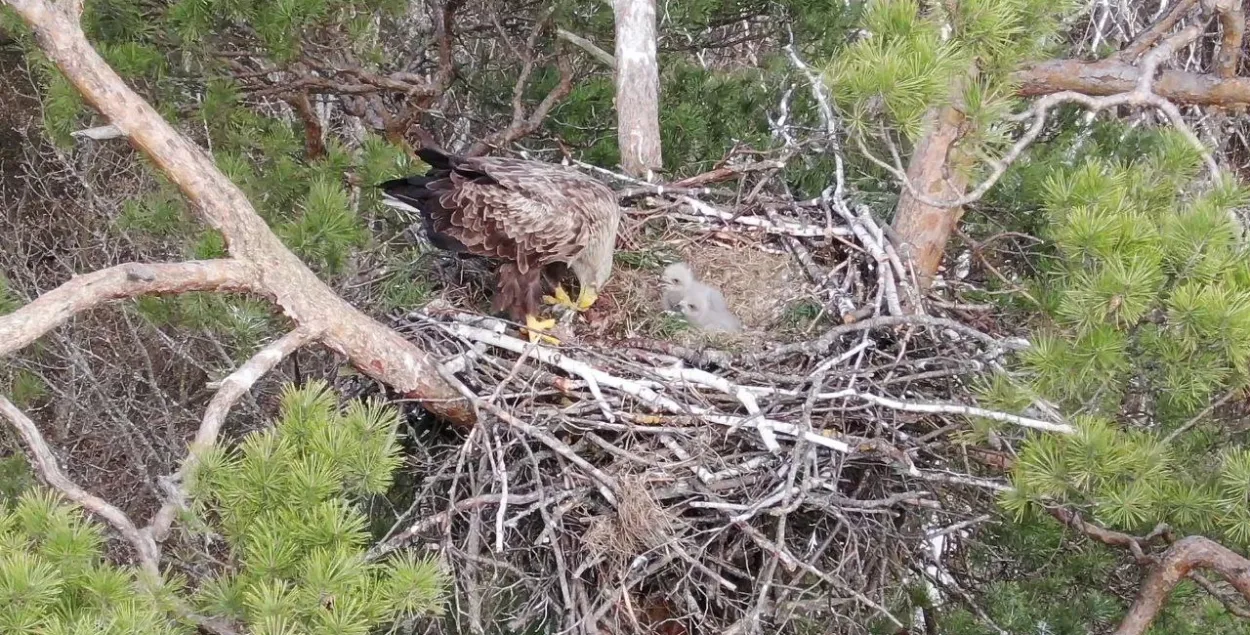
(536, 219)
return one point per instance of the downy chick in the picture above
(703, 305)
(702, 308)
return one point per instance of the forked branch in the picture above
(1178, 562)
(376, 350)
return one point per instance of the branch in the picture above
(821, 345)
(584, 44)
(1233, 21)
(1136, 545)
(141, 540)
(45, 462)
(85, 292)
(1141, 91)
(522, 125)
(1179, 561)
(229, 391)
(1111, 538)
(1110, 77)
(1147, 38)
(374, 349)
(314, 145)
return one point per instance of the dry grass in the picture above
(760, 286)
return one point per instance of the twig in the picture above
(586, 45)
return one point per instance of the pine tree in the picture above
(283, 515)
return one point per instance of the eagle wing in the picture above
(526, 212)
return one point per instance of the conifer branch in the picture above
(1178, 562)
(45, 462)
(129, 280)
(377, 351)
(229, 390)
(1142, 93)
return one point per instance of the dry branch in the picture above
(45, 462)
(229, 390)
(523, 124)
(377, 351)
(85, 292)
(1178, 562)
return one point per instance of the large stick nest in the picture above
(627, 483)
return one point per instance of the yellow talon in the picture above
(561, 298)
(586, 299)
(535, 326)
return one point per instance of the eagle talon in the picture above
(586, 299)
(561, 299)
(534, 328)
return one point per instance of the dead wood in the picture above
(371, 347)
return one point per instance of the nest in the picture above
(621, 483)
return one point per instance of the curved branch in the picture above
(85, 292)
(376, 350)
(45, 462)
(229, 391)
(1185, 555)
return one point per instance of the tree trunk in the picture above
(637, 87)
(924, 229)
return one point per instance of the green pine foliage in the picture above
(9, 302)
(54, 579)
(1145, 321)
(287, 502)
(912, 59)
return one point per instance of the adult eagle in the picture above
(535, 218)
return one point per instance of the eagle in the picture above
(537, 220)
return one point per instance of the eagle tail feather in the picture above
(436, 158)
(417, 195)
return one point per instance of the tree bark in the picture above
(637, 87)
(376, 350)
(1185, 555)
(1111, 76)
(924, 229)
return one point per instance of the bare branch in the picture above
(129, 280)
(522, 125)
(1147, 38)
(229, 391)
(45, 462)
(377, 351)
(1233, 21)
(1185, 555)
(590, 47)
